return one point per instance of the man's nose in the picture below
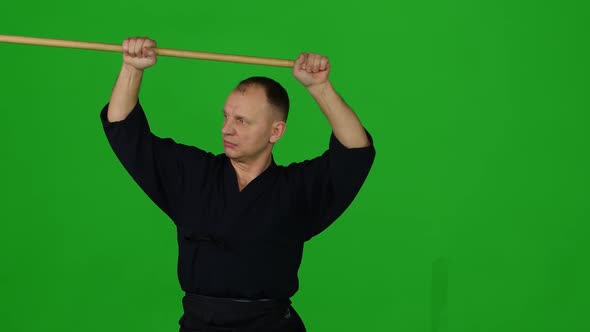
(227, 128)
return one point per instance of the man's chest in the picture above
(260, 213)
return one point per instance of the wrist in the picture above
(129, 69)
(320, 89)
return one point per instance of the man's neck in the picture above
(247, 171)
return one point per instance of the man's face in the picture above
(248, 124)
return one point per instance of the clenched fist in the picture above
(311, 69)
(139, 53)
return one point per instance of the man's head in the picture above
(255, 114)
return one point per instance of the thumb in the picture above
(148, 52)
(299, 61)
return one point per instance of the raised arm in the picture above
(138, 54)
(163, 168)
(312, 70)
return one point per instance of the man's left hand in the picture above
(311, 69)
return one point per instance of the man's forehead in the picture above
(249, 91)
(238, 101)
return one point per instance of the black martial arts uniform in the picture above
(244, 245)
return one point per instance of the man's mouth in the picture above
(228, 144)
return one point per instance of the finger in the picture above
(316, 63)
(310, 62)
(126, 46)
(134, 47)
(131, 49)
(299, 61)
(143, 49)
(151, 53)
(324, 63)
(150, 43)
(304, 62)
(147, 48)
(139, 47)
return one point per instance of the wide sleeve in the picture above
(158, 165)
(331, 181)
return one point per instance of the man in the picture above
(241, 219)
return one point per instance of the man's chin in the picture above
(230, 154)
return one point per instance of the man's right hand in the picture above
(138, 52)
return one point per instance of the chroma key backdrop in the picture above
(475, 216)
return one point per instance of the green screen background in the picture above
(475, 214)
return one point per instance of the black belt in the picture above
(206, 313)
(209, 303)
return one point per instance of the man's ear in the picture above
(278, 129)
